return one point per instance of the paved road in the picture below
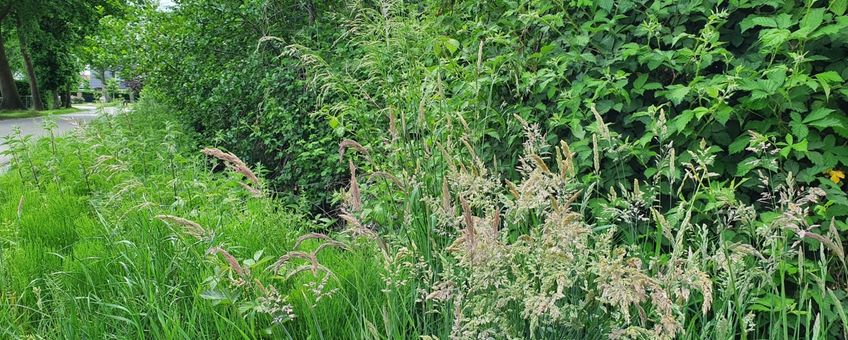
(32, 126)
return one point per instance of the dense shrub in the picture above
(215, 63)
(636, 169)
(718, 124)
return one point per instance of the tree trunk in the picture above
(11, 98)
(103, 85)
(66, 99)
(57, 102)
(37, 104)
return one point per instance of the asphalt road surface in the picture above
(32, 126)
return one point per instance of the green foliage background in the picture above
(702, 128)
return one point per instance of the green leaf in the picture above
(772, 303)
(640, 81)
(817, 114)
(676, 93)
(774, 37)
(722, 115)
(830, 77)
(744, 167)
(826, 78)
(799, 129)
(682, 120)
(801, 146)
(812, 20)
(824, 123)
(452, 45)
(753, 21)
(838, 6)
(739, 144)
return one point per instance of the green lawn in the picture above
(32, 113)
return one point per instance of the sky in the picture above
(163, 4)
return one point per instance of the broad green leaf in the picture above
(722, 115)
(830, 77)
(826, 78)
(640, 81)
(739, 144)
(801, 146)
(817, 114)
(799, 129)
(772, 303)
(676, 93)
(829, 122)
(452, 45)
(838, 6)
(682, 120)
(812, 20)
(753, 21)
(774, 37)
(745, 166)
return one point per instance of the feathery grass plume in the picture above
(189, 227)
(235, 163)
(513, 189)
(480, 55)
(496, 221)
(826, 241)
(295, 254)
(663, 224)
(469, 234)
(602, 127)
(351, 144)
(354, 197)
(425, 92)
(20, 207)
(540, 163)
(671, 161)
(596, 157)
(356, 229)
(447, 206)
(447, 157)
(566, 166)
(253, 191)
(477, 160)
(328, 241)
(231, 260)
(661, 122)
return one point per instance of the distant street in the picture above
(32, 126)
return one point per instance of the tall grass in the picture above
(82, 254)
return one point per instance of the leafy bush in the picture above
(534, 169)
(215, 64)
(715, 125)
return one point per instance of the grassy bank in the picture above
(33, 113)
(83, 254)
(129, 229)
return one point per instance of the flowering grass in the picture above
(130, 229)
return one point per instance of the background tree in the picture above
(23, 19)
(11, 99)
(48, 37)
